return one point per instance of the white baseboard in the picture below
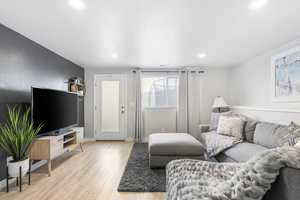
(3, 183)
(88, 140)
(129, 139)
(38, 165)
(144, 140)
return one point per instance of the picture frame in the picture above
(285, 76)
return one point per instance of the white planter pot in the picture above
(14, 168)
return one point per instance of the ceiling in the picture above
(151, 33)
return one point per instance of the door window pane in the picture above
(110, 106)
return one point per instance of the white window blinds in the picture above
(159, 89)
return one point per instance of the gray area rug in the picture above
(138, 177)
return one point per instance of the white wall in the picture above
(250, 82)
(214, 83)
(250, 86)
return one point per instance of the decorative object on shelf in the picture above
(285, 76)
(76, 85)
(16, 137)
(220, 105)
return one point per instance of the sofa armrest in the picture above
(286, 186)
(203, 128)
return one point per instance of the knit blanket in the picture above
(192, 179)
(215, 143)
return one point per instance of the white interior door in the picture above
(110, 110)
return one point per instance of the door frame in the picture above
(123, 123)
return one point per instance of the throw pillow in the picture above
(231, 126)
(294, 133)
(214, 122)
(249, 126)
(270, 135)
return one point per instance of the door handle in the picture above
(122, 109)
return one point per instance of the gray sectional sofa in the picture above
(259, 136)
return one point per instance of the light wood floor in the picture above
(91, 175)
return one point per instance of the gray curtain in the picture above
(137, 107)
(190, 83)
(182, 116)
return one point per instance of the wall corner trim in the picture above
(255, 108)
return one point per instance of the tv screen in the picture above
(55, 109)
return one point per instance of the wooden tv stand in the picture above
(50, 147)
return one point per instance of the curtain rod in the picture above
(200, 71)
(172, 70)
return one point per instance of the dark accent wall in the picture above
(24, 63)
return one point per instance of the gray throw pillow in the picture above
(249, 128)
(270, 135)
(294, 134)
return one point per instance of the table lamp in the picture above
(219, 103)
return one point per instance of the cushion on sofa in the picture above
(294, 134)
(214, 121)
(174, 144)
(231, 126)
(242, 152)
(249, 126)
(249, 129)
(216, 143)
(293, 137)
(270, 135)
(223, 158)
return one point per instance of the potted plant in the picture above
(16, 137)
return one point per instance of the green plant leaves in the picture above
(17, 134)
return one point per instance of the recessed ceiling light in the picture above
(114, 55)
(201, 55)
(77, 4)
(257, 4)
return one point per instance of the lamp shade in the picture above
(219, 103)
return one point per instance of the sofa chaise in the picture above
(165, 147)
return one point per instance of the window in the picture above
(159, 90)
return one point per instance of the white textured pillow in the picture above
(214, 122)
(231, 126)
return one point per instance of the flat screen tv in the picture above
(57, 110)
